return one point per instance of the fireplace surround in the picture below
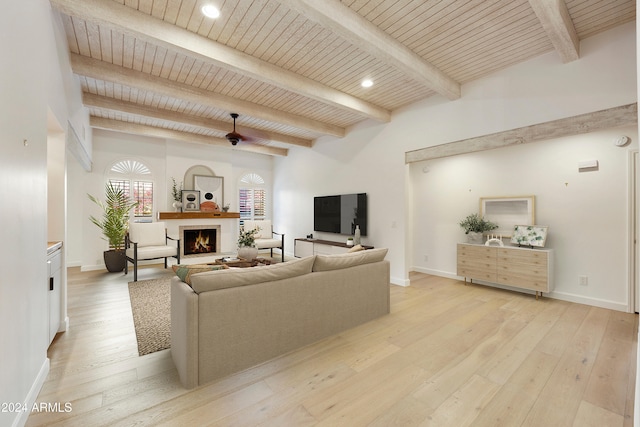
(200, 240)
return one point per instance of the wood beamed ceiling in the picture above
(292, 68)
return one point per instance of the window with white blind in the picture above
(136, 181)
(252, 196)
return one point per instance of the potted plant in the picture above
(474, 226)
(114, 224)
(176, 194)
(247, 244)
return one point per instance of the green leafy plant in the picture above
(475, 223)
(176, 191)
(115, 215)
(247, 237)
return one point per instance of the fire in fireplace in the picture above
(200, 241)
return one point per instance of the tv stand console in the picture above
(308, 247)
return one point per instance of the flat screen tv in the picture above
(340, 214)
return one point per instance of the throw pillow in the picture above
(356, 248)
(184, 271)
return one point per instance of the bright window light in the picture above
(210, 11)
(367, 83)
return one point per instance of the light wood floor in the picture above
(447, 355)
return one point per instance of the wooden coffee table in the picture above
(241, 262)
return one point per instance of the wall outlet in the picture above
(583, 280)
(426, 257)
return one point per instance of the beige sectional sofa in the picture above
(229, 320)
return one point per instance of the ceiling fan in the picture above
(234, 137)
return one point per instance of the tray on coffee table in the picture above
(241, 262)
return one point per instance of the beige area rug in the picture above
(151, 307)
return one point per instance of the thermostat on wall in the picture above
(588, 165)
(621, 141)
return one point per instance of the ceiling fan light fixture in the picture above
(234, 137)
(210, 11)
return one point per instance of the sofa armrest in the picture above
(184, 332)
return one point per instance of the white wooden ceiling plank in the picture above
(353, 27)
(266, 28)
(68, 25)
(106, 51)
(145, 6)
(137, 54)
(185, 69)
(185, 12)
(149, 58)
(159, 8)
(489, 19)
(128, 49)
(523, 22)
(82, 37)
(305, 47)
(168, 64)
(269, 43)
(234, 17)
(426, 18)
(246, 27)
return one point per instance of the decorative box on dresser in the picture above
(518, 267)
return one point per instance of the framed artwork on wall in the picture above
(190, 200)
(508, 212)
(211, 190)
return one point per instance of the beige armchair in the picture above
(265, 238)
(148, 240)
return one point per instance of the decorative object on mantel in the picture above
(356, 235)
(114, 224)
(225, 208)
(530, 235)
(211, 190)
(190, 200)
(247, 244)
(474, 226)
(349, 241)
(494, 240)
(176, 194)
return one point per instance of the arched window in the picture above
(253, 197)
(136, 180)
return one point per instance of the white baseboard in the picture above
(31, 397)
(564, 296)
(400, 282)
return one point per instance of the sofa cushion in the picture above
(338, 261)
(356, 248)
(184, 272)
(230, 278)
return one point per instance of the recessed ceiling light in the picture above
(210, 11)
(367, 83)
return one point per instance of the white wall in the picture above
(371, 157)
(165, 159)
(31, 85)
(587, 212)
